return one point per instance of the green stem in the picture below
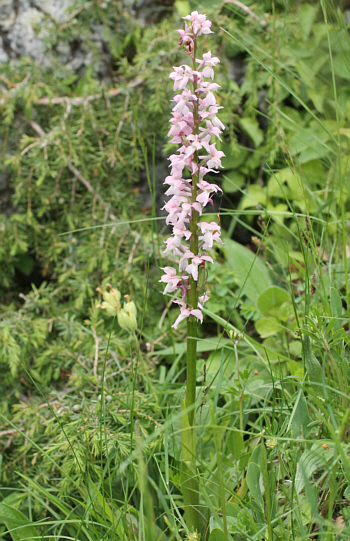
(191, 369)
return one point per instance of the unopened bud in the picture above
(235, 336)
(193, 536)
(111, 300)
(127, 316)
(270, 444)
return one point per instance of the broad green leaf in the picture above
(306, 15)
(217, 535)
(233, 180)
(189, 482)
(254, 477)
(250, 271)
(182, 7)
(271, 299)
(317, 98)
(277, 180)
(236, 445)
(341, 66)
(215, 360)
(285, 311)
(251, 127)
(17, 524)
(232, 160)
(267, 326)
(255, 194)
(312, 460)
(207, 344)
(300, 418)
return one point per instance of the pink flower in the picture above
(194, 145)
(185, 259)
(211, 130)
(179, 188)
(199, 24)
(208, 62)
(208, 89)
(192, 268)
(178, 230)
(181, 76)
(170, 279)
(211, 232)
(179, 130)
(206, 190)
(184, 101)
(186, 312)
(201, 300)
(214, 157)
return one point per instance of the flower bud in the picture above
(193, 536)
(127, 315)
(111, 302)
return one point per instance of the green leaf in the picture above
(235, 445)
(285, 311)
(267, 326)
(254, 478)
(271, 299)
(207, 344)
(182, 7)
(233, 180)
(312, 460)
(17, 524)
(189, 482)
(217, 535)
(312, 366)
(251, 127)
(250, 271)
(307, 14)
(232, 160)
(341, 66)
(300, 418)
(255, 194)
(96, 495)
(337, 308)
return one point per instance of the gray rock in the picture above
(21, 25)
(6, 8)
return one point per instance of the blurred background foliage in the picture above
(84, 152)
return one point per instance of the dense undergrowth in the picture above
(90, 416)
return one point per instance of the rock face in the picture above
(20, 26)
(24, 23)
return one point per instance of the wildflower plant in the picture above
(194, 124)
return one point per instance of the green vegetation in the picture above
(90, 428)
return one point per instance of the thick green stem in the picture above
(191, 368)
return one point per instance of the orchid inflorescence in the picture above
(194, 123)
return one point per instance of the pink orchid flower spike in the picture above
(193, 126)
